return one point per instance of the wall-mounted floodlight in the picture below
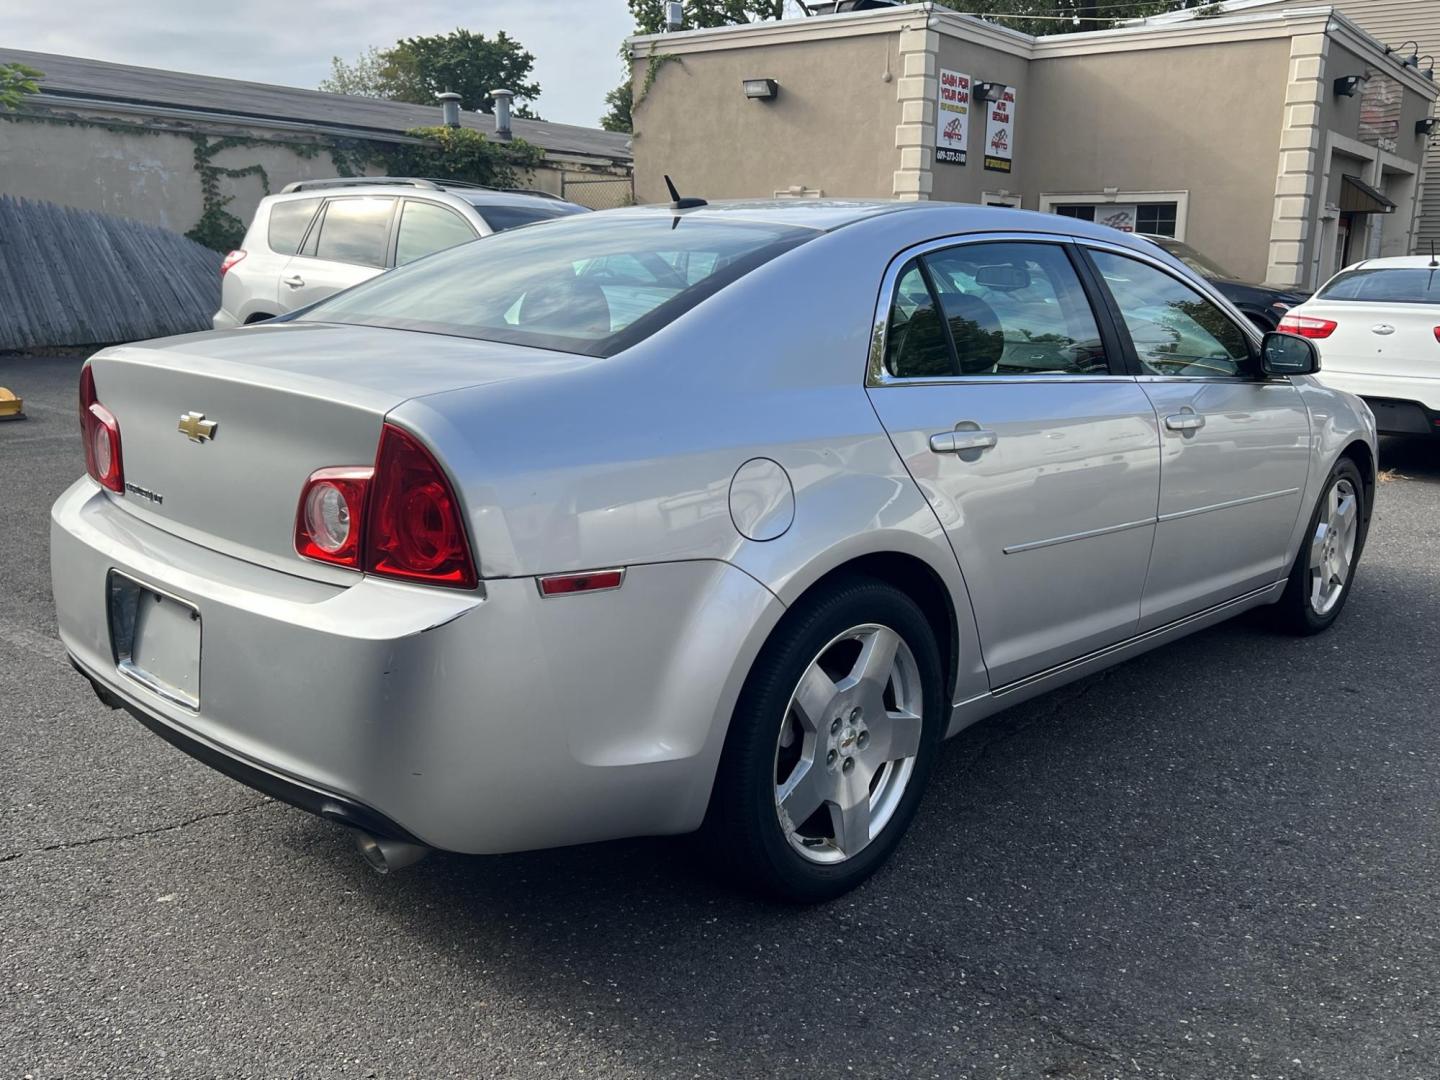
(1413, 60)
(988, 91)
(1429, 71)
(1346, 85)
(760, 89)
(1426, 126)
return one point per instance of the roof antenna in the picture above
(677, 203)
(1433, 261)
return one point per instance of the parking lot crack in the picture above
(116, 837)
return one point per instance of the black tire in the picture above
(743, 825)
(1295, 612)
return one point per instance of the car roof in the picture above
(826, 215)
(476, 196)
(481, 198)
(1395, 262)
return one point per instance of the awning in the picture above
(1358, 197)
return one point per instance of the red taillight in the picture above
(230, 260)
(101, 433)
(330, 521)
(399, 519)
(1437, 333)
(1307, 326)
(594, 581)
(415, 530)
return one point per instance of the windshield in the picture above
(1410, 285)
(592, 284)
(1193, 259)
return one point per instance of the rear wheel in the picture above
(831, 744)
(1324, 569)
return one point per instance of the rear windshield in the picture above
(592, 284)
(1417, 285)
(501, 218)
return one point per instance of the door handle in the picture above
(962, 440)
(1185, 421)
(295, 281)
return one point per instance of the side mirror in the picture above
(1288, 354)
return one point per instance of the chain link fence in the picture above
(598, 192)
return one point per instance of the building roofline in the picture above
(1141, 34)
(80, 81)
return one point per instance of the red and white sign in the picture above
(952, 117)
(1000, 132)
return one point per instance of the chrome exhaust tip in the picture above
(385, 856)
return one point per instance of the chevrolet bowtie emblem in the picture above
(197, 427)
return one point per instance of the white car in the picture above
(318, 237)
(1377, 326)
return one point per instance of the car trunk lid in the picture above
(219, 431)
(1378, 339)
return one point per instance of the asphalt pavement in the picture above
(1219, 860)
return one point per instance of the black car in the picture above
(1264, 304)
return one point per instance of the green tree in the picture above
(416, 69)
(359, 79)
(649, 18)
(619, 100)
(16, 81)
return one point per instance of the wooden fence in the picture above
(77, 277)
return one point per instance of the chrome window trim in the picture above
(876, 375)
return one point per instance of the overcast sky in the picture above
(290, 42)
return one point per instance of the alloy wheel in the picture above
(1332, 548)
(847, 744)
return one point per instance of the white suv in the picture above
(320, 236)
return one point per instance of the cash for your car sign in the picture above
(952, 118)
(1000, 132)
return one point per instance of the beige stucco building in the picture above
(1227, 132)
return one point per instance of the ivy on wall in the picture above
(462, 154)
(441, 152)
(217, 227)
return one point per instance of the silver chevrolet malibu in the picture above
(709, 517)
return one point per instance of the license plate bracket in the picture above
(155, 637)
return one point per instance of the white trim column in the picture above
(915, 89)
(1295, 180)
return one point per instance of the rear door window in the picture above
(288, 222)
(426, 228)
(1004, 309)
(355, 230)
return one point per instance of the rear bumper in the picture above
(474, 722)
(327, 804)
(1403, 405)
(223, 320)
